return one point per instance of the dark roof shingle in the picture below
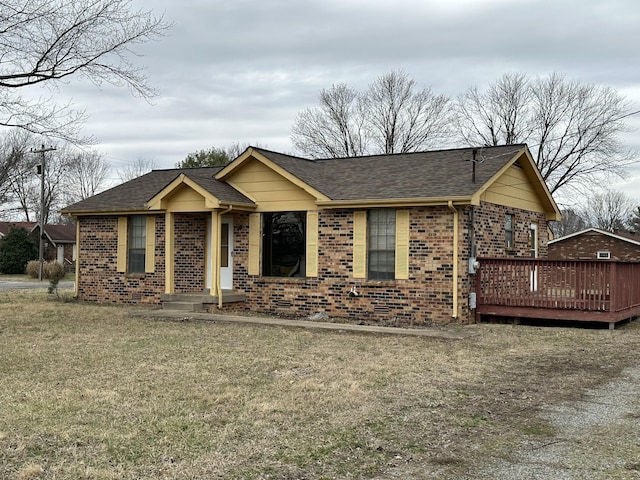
(134, 194)
(433, 174)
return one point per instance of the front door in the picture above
(226, 253)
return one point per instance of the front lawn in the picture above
(90, 393)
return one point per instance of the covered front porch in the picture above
(573, 290)
(199, 241)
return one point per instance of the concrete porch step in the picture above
(184, 306)
(195, 302)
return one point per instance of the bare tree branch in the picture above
(335, 128)
(609, 210)
(48, 41)
(135, 169)
(572, 128)
(390, 117)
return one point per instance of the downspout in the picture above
(217, 253)
(454, 313)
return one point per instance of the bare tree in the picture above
(26, 187)
(389, 117)
(86, 174)
(135, 169)
(237, 148)
(572, 128)
(44, 42)
(609, 210)
(402, 120)
(572, 222)
(15, 162)
(634, 221)
(335, 128)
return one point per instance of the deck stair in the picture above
(197, 302)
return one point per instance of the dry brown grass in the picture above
(88, 392)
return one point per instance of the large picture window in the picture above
(381, 241)
(136, 244)
(283, 244)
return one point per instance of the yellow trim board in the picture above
(395, 202)
(250, 153)
(156, 202)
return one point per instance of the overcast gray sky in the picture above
(240, 70)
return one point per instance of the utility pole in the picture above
(42, 151)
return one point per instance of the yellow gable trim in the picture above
(250, 154)
(268, 189)
(162, 201)
(502, 187)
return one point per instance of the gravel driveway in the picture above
(597, 437)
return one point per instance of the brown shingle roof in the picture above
(433, 174)
(6, 226)
(57, 233)
(134, 194)
(61, 233)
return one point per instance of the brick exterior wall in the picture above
(99, 280)
(190, 241)
(587, 245)
(490, 233)
(425, 298)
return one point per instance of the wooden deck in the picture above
(579, 290)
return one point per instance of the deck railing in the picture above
(588, 285)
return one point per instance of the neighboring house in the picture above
(59, 241)
(596, 244)
(384, 238)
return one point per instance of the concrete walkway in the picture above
(281, 322)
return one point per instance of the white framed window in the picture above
(137, 243)
(381, 241)
(508, 232)
(603, 255)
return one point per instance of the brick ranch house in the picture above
(596, 244)
(59, 240)
(386, 238)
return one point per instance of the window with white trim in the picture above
(508, 232)
(381, 243)
(137, 237)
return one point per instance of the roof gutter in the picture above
(454, 312)
(395, 202)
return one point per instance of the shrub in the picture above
(33, 268)
(50, 270)
(53, 270)
(16, 249)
